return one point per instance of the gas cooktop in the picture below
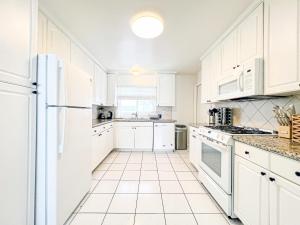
(238, 130)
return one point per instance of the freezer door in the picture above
(68, 161)
(63, 84)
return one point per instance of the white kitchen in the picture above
(150, 112)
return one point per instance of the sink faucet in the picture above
(135, 115)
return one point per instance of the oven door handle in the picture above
(218, 146)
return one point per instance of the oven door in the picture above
(216, 162)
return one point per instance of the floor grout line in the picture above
(114, 193)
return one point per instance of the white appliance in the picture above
(246, 81)
(216, 170)
(63, 139)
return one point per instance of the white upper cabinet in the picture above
(166, 90)
(232, 66)
(18, 19)
(210, 70)
(229, 55)
(42, 33)
(100, 86)
(112, 81)
(58, 43)
(281, 46)
(250, 37)
(81, 60)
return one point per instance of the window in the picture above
(133, 99)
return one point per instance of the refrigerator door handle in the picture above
(62, 84)
(61, 129)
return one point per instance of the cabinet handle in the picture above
(100, 135)
(233, 67)
(238, 66)
(34, 83)
(208, 101)
(297, 173)
(263, 173)
(193, 136)
(247, 153)
(272, 179)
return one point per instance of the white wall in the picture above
(183, 112)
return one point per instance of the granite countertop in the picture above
(99, 122)
(281, 146)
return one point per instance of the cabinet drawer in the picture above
(96, 130)
(285, 167)
(193, 130)
(255, 155)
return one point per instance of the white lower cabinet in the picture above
(134, 136)
(194, 147)
(124, 137)
(143, 139)
(262, 197)
(251, 189)
(102, 143)
(164, 136)
(284, 202)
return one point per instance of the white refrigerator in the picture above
(63, 139)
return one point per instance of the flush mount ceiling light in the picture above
(147, 25)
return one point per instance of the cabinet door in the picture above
(81, 60)
(18, 20)
(111, 90)
(124, 137)
(281, 46)
(250, 192)
(284, 202)
(166, 90)
(100, 85)
(205, 80)
(42, 33)
(194, 149)
(144, 138)
(250, 37)
(58, 43)
(229, 55)
(17, 155)
(95, 161)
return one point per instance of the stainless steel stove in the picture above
(216, 170)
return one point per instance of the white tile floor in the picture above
(135, 188)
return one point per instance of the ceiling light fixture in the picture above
(147, 25)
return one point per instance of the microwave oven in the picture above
(246, 81)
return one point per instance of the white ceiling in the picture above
(191, 26)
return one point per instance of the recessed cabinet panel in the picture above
(228, 55)
(100, 86)
(112, 81)
(282, 46)
(250, 193)
(18, 40)
(250, 37)
(17, 155)
(144, 138)
(284, 202)
(166, 90)
(58, 43)
(81, 60)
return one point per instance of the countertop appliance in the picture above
(216, 168)
(105, 115)
(224, 116)
(63, 139)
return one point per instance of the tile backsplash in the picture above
(257, 113)
(166, 112)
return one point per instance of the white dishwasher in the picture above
(164, 137)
